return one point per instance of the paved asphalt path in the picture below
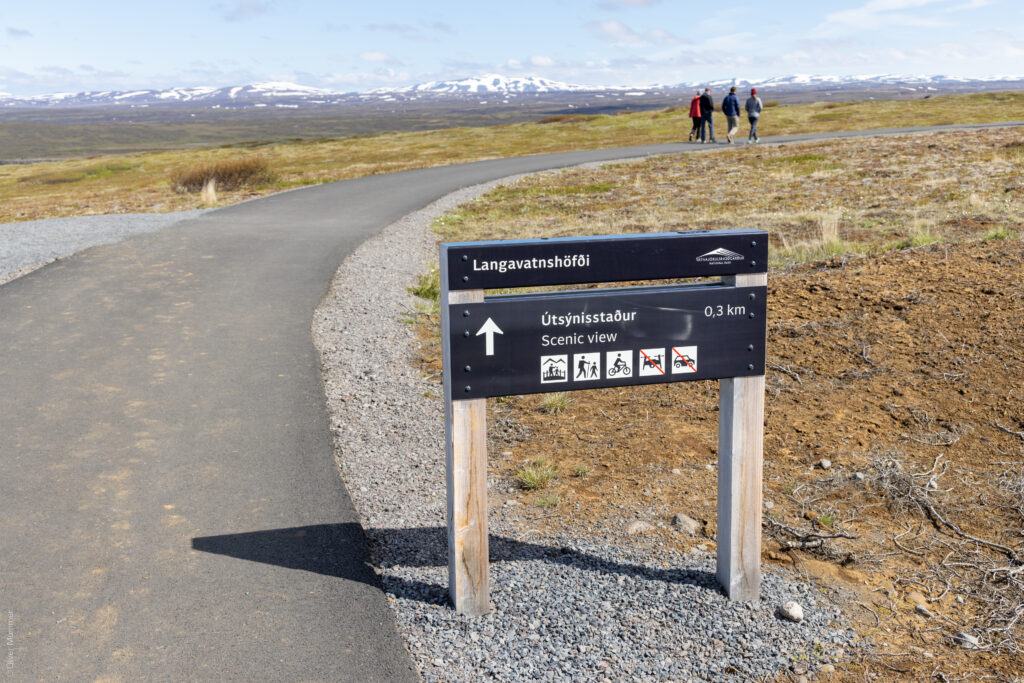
(170, 507)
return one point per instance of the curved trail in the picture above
(170, 506)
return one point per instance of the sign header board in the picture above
(611, 258)
(603, 338)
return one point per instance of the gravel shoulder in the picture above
(29, 245)
(565, 607)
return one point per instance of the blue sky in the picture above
(71, 46)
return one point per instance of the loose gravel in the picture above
(565, 608)
(29, 245)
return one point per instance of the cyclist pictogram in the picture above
(618, 364)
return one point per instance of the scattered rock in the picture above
(799, 668)
(966, 640)
(923, 611)
(859, 476)
(676, 471)
(826, 669)
(638, 527)
(709, 467)
(688, 525)
(768, 505)
(825, 464)
(791, 611)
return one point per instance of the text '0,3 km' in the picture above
(584, 339)
(559, 342)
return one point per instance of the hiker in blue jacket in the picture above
(731, 109)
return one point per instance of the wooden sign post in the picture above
(740, 464)
(572, 340)
(466, 472)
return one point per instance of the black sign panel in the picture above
(612, 258)
(601, 338)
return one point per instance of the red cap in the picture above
(753, 91)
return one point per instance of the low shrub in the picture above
(555, 403)
(428, 285)
(568, 118)
(536, 475)
(231, 174)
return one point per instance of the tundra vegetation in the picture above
(895, 346)
(146, 181)
(895, 354)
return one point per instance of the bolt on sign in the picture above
(570, 340)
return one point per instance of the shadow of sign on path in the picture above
(320, 548)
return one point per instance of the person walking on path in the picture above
(731, 109)
(707, 122)
(695, 116)
(753, 107)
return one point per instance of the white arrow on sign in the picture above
(489, 329)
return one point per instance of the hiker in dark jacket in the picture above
(731, 109)
(707, 122)
(695, 115)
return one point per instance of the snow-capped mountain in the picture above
(253, 94)
(803, 81)
(496, 84)
(491, 87)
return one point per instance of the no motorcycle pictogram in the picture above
(574, 339)
(652, 362)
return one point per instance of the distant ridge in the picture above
(291, 95)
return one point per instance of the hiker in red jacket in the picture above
(695, 115)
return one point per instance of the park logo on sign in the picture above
(720, 255)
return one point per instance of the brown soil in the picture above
(881, 365)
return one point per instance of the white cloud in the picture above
(541, 61)
(240, 10)
(13, 32)
(617, 33)
(424, 31)
(620, 4)
(375, 56)
(881, 14)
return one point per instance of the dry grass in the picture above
(226, 175)
(882, 364)
(140, 182)
(877, 194)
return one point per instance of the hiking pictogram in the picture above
(587, 367)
